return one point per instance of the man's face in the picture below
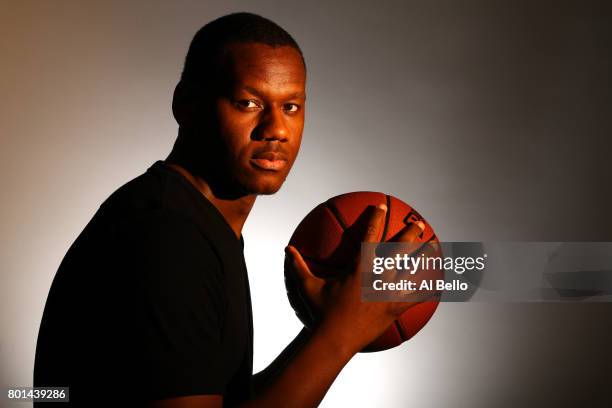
(259, 115)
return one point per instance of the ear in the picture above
(181, 104)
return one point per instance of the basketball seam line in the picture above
(334, 211)
(400, 331)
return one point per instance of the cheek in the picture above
(296, 129)
(296, 145)
(235, 129)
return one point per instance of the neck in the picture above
(235, 211)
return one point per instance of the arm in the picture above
(302, 374)
(264, 378)
(298, 377)
(311, 370)
(284, 383)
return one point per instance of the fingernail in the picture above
(382, 207)
(421, 225)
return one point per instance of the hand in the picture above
(338, 303)
(407, 242)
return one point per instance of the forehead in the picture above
(264, 67)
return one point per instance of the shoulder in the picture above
(153, 223)
(139, 195)
(152, 209)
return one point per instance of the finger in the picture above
(430, 265)
(430, 268)
(409, 233)
(374, 224)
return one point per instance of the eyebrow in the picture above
(290, 96)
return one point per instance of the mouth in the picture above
(271, 165)
(271, 161)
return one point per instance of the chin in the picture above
(265, 186)
(268, 189)
(260, 182)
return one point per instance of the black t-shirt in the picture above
(150, 302)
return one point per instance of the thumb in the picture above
(310, 283)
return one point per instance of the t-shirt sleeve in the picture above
(181, 309)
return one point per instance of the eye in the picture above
(291, 107)
(248, 104)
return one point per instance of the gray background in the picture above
(491, 118)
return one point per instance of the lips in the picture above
(269, 160)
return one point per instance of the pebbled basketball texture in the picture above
(328, 240)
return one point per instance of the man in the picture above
(151, 305)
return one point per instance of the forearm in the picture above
(264, 378)
(302, 374)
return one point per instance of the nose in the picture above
(272, 126)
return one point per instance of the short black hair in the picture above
(209, 42)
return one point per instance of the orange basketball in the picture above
(321, 240)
